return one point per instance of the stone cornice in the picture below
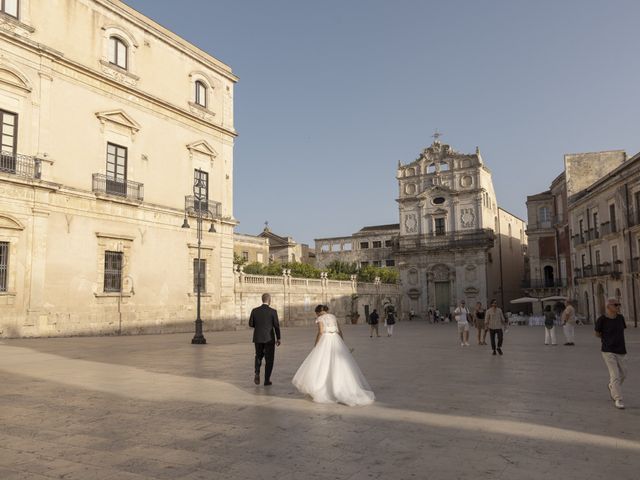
(59, 57)
(168, 37)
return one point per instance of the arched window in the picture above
(431, 168)
(201, 93)
(118, 52)
(548, 276)
(444, 167)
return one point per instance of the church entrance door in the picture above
(442, 297)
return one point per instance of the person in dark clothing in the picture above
(373, 321)
(610, 329)
(266, 335)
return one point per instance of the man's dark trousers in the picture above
(266, 351)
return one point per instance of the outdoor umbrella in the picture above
(555, 298)
(525, 300)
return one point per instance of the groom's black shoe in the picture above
(256, 379)
(267, 383)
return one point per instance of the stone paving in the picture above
(156, 407)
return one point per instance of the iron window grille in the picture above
(377, 244)
(439, 223)
(113, 271)
(364, 245)
(118, 52)
(4, 265)
(201, 274)
(10, 7)
(201, 94)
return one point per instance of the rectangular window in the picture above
(10, 7)
(637, 208)
(201, 189)
(612, 217)
(439, 224)
(199, 274)
(4, 265)
(377, 263)
(245, 256)
(8, 140)
(112, 271)
(584, 260)
(388, 243)
(598, 257)
(364, 245)
(377, 244)
(364, 264)
(596, 228)
(116, 183)
(581, 229)
(390, 263)
(614, 253)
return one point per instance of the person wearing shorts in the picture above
(461, 315)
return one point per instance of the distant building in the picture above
(251, 248)
(455, 242)
(286, 249)
(549, 250)
(603, 191)
(371, 245)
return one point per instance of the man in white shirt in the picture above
(462, 317)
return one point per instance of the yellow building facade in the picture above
(108, 131)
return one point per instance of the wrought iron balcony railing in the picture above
(555, 283)
(207, 207)
(608, 228)
(126, 189)
(482, 238)
(20, 165)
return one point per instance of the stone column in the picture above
(36, 270)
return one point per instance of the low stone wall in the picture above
(296, 298)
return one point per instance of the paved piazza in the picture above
(156, 407)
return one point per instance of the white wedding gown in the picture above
(330, 374)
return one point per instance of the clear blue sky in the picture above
(333, 93)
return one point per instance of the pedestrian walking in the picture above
(390, 321)
(549, 326)
(479, 321)
(610, 328)
(569, 323)
(266, 335)
(495, 321)
(373, 322)
(461, 314)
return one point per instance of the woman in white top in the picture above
(330, 374)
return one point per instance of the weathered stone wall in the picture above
(296, 298)
(584, 169)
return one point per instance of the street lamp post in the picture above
(198, 206)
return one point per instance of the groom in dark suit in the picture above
(264, 321)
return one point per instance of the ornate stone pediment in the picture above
(436, 152)
(435, 190)
(118, 117)
(202, 147)
(13, 79)
(9, 223)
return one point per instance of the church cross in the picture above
(436, 135)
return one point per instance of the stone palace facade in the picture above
(455, 242)
(107, 122)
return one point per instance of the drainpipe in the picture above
(633, 281)
(593, 289)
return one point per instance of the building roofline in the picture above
(170, 37)
(513, 215)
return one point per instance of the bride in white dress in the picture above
(330, 374)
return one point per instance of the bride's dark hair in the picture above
(319, 308)
(325, 308)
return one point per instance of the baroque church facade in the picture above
(455, 242)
